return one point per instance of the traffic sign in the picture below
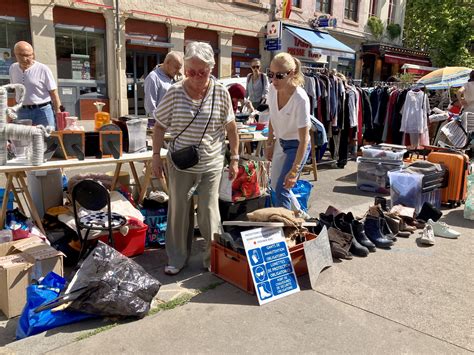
(270, 262)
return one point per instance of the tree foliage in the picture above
(444, 28)
(375, 26)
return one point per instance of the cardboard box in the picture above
(21, 262)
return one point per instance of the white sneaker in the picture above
(441, 229)
(427, 236)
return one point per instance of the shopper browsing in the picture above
(257, 85)
(466, 94)
(160, 79)
(197, 111)
(288, 137)
(41, 100)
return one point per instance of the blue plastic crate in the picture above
(10, 199)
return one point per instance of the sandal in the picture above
(171, 270)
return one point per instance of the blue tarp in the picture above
(327, 44)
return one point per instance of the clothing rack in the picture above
(398, 84)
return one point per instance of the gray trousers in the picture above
(180, 228)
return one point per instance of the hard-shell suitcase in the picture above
(458, 167)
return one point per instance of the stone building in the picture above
(97, 52)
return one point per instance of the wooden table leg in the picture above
(29, 201)
(118, 167)
(17, 197)
(146, 181)
(135, 175)
(8, 187)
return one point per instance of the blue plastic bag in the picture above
(301, 190)
(48, 289)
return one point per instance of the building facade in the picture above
(97, 52)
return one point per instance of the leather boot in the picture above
(359, 235)
(345, 227)
(372, 231)
(326, 220)
(395, 223)
(340, 243)
(386, 231)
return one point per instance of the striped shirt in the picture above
(177, 109)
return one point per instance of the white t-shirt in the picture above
(38, 81)
(292, 116)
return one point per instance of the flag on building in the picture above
(286, 9)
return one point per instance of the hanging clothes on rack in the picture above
(415, 118)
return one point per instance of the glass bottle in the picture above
(100, 118)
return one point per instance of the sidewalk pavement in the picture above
(410, 299)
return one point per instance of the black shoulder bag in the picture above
(187, 157)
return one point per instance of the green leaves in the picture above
(443, 28)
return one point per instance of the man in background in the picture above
(160, 79)
(41, 100)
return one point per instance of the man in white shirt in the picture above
(41, 100)
(160, 79)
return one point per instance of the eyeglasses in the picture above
(201, 73)
(255, 66)
(278, 76)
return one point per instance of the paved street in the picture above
(410, 299)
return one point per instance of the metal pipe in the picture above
(118, 53)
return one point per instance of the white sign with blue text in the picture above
(270, 264)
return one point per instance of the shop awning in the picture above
(323, 42)
(401, 59)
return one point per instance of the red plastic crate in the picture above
(233, 267)
(131, 244)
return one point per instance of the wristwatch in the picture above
(235, 157)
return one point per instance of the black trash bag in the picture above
(112, 285)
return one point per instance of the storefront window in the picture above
(10, 33)
(80, 55)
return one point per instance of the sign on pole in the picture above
(274, 29)
(270, 264)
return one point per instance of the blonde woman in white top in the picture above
(288, 138)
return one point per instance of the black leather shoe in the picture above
(359, 235)
(345, 227)
(372, 231)
(358, 249)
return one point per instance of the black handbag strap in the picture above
(197, 113)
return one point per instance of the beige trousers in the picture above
(180, 228)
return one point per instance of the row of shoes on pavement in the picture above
(379, 228)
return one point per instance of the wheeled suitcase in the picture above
(458, 167)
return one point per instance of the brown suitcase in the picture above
(458, 168)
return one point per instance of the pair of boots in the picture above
(344, 227)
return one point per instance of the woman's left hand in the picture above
(233, 169)
(290, 180)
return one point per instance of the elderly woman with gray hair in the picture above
(197, 112)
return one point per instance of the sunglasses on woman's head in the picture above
(278, 76)
(201, 73)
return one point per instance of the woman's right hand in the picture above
(157, 164)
